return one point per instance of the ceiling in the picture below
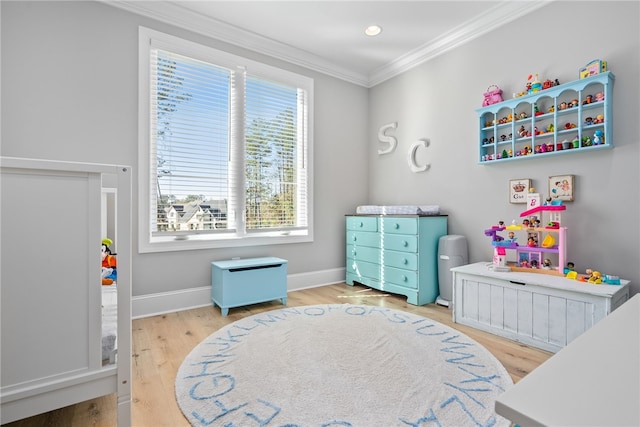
(328, 36)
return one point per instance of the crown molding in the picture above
(174, 14)
(488, 21)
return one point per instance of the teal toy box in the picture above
(239, 282)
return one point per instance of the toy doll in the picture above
(109, 264)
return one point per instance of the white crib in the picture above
(51, 297)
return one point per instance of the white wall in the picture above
(438, 99)
(69, 92)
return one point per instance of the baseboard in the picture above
(185, 299)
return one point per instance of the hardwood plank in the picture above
(161, 343)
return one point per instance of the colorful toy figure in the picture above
(588, 99)
(522, 132)
(109, 264)
(533, 85)
(595, 278)
(598, 137)
(599, 96)
(569, 268)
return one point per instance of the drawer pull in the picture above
(404, 278)
(361, 224)
(405, 261)
(355, 238)
(517, 283)
(405, 243)
(396, 225)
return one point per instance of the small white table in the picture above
(594, 381)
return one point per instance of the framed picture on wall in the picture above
(518, 190)
(561, 187)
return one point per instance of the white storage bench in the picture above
(540, 310)
(239, 282)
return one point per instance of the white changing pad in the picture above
(109, 322)
(399, 210)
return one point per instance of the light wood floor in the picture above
(161, 343)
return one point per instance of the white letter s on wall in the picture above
(391, 140)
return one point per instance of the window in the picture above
(225, 149)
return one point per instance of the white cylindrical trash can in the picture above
(452, 252)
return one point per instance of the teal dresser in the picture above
(396, 254)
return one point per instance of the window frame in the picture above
(148, 242)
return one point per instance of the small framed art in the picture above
(561, 187)
(518, 190)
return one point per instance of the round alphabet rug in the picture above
(340, 365)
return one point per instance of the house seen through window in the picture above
(227, 150)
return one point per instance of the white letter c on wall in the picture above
(412, 155)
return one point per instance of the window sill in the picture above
(208, 241)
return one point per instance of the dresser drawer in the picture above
(364, 253)
(363, 223)
(404, 260)
(400, 225)
(404, 278)
(399, 242)
(360, 269)
(362, 238)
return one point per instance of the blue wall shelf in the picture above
(569, 118)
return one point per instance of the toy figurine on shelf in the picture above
(588, 99)
(598, 137)
(522, 131)
(599, 96)
(536, 111)
(569, 268)
(533, 85)
(595, 278)
(546, 264)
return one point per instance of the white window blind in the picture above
(227, 150)
(190, 130)
(274, 153)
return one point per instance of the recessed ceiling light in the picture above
(373, 30)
